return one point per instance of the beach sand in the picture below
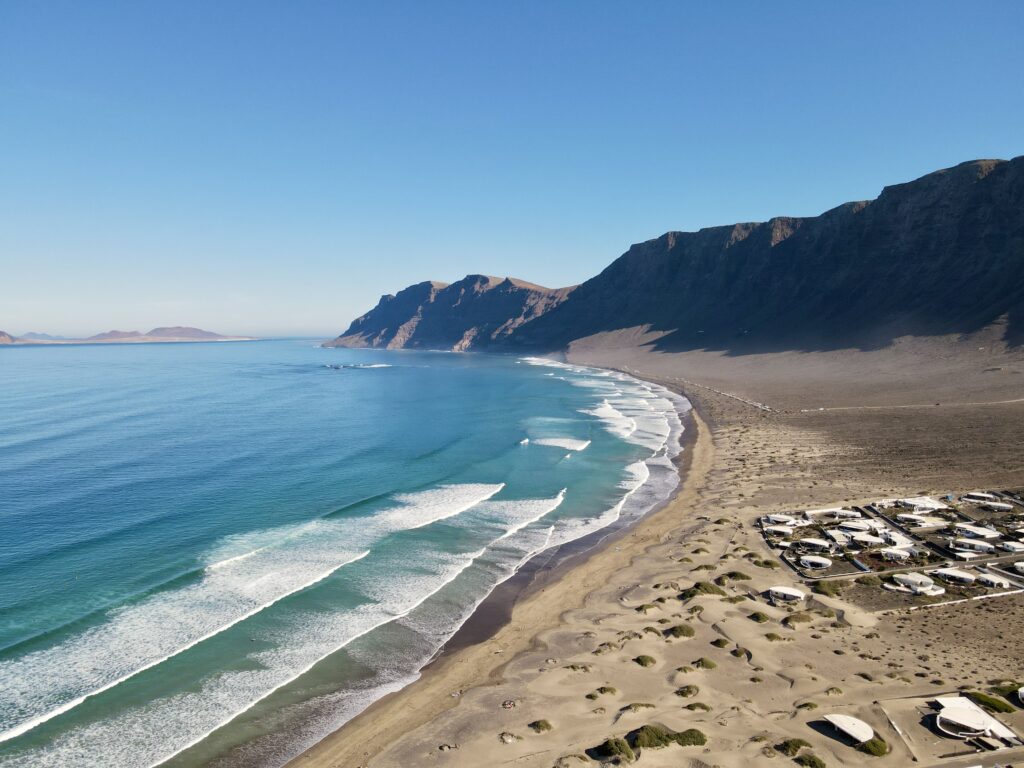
(746, 674)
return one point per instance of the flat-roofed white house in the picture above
(979, 497)
(816, 544)
(854, 526)
(868, 540)
(1015, 547)
(954, 575)
(780, 519)
(918, 583)
(998, 506)
(972, 545)
(895, 555)
(992, 581)
(975, 531)
(785, 594)
(961, 718)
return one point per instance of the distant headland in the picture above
(166, 334)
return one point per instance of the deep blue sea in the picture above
(215, 554)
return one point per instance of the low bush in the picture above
(698, 705)
(810, 761)
(759, 616)
(687, 691)
(680, 630)
(792, 747)
(704, 663)
(636, 707)
(657, 736)
(720, 642)
(829, 588)
(991, 703)
(701, 588)
(540, 726)
(875, 746)
(615, 748)
(645, 661)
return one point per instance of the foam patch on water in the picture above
(567, 443)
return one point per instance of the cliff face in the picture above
(473, 313)
(942, 254)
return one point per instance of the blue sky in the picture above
(269, 168)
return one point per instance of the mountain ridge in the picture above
(941, 254)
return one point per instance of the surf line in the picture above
(28, 725)
(308, 667)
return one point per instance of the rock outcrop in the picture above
(474, 313)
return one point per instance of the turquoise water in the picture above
(217, 553)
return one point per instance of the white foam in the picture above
(430, 506)
(614, 420)
(137, 639)
(42, 684)
(151, 734)
(567, 443)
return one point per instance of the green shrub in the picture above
(810, 761)
(698, 705)
(773, 636)
(828, 588)
(680, 630)
(759, 617)
(700, 588)
(657, 736)
(739, 651)
(613, 748)
(636, 707)
(875, 746)
(540, 726)
(720, 642)
(807, 705)
(800, 617)
(607, 689)
(1005, 687)
(645, 661)
(991, 703)
(792, 747)
(687, 691)
(869, 580)
(704, 663)
(645, 608)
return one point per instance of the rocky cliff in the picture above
(473, 313)
(942, 254)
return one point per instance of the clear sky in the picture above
(273, 167)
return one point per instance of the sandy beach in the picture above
(614, 641)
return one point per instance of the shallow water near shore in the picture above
(216, 554)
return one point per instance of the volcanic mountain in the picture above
(940, 255)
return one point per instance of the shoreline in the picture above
(497, 625)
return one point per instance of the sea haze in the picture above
(217, 553)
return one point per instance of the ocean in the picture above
(216, 554)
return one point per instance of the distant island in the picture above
(166, 334)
